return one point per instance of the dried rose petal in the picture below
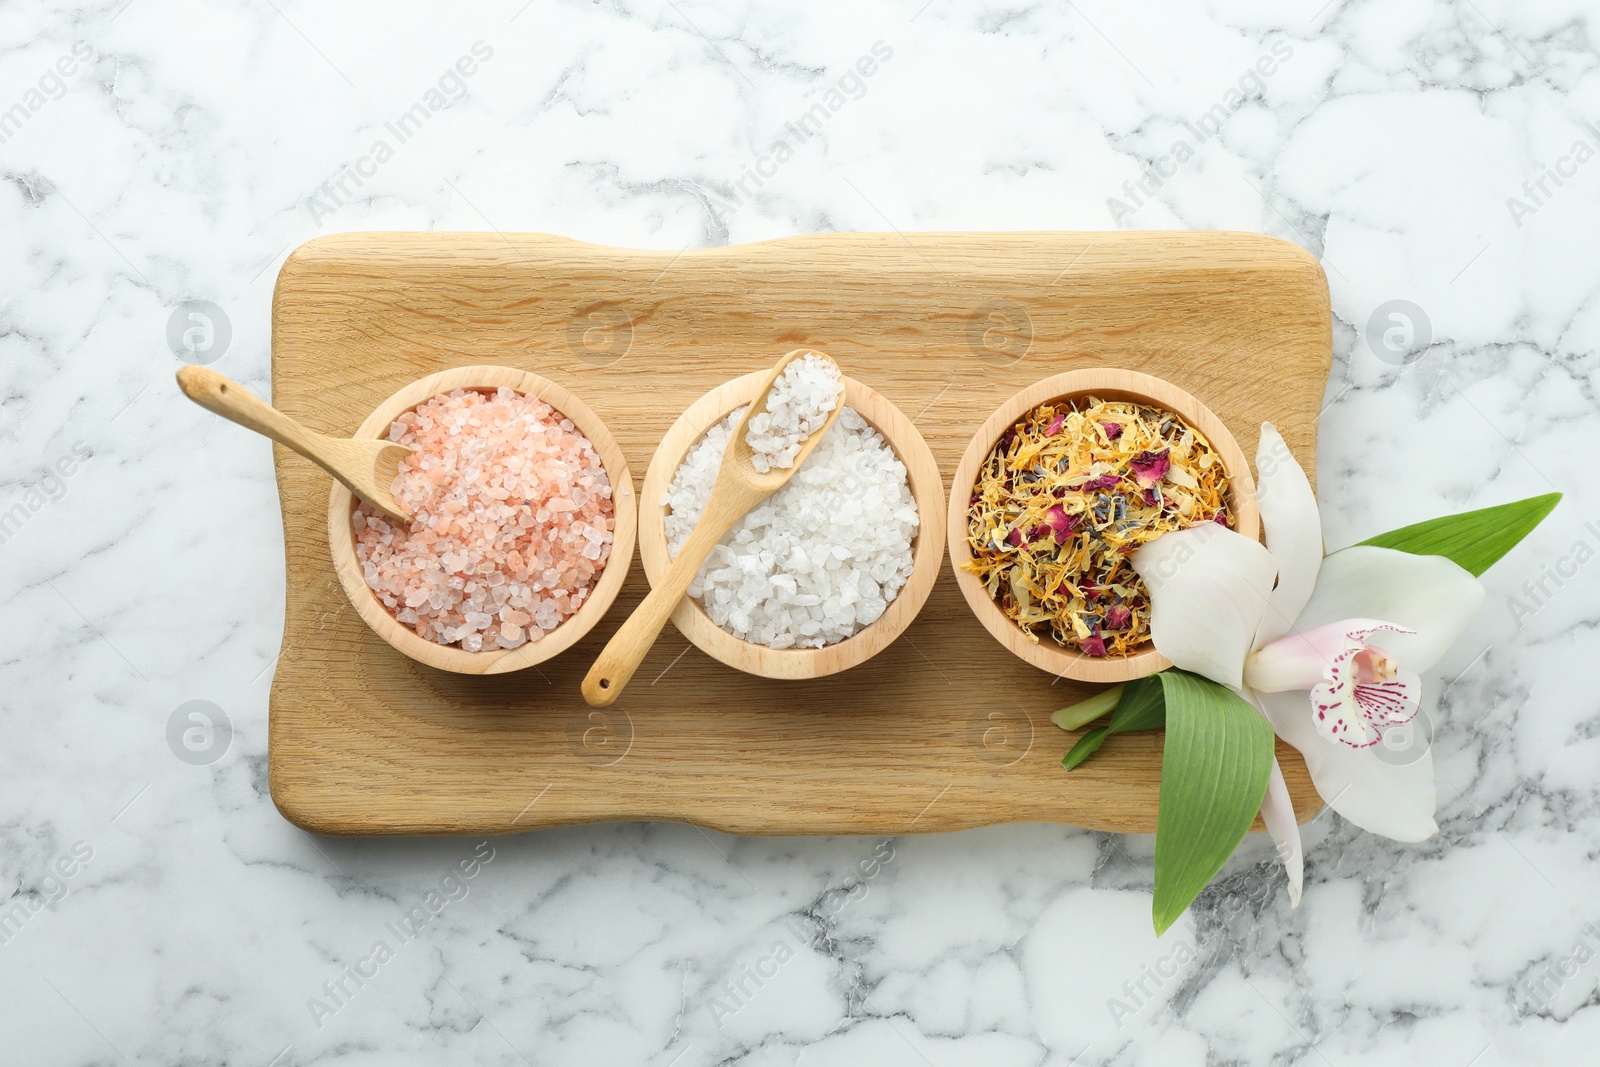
(1014, 538)
(1094, 645)
(1090, 591)
(1113, 430)
(1055, 425)
(1038, 533)
(1105, 481)
(1219, 517)
(1118, 617)
(1151, 467)
(1152, 497)
(1063, 524)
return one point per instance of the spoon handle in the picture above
(234, 402)
(628, 646)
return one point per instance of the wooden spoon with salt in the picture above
(738, 489)
(367, 468)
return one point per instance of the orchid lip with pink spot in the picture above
(1356, 688)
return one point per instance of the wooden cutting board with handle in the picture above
(944, 729)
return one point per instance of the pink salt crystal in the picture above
(508, 498)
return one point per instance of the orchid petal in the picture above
(1277, 811)
(1428, 594)
(1208, 588)
(1396, 801)
(1294, 532)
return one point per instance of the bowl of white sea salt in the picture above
(826, 572)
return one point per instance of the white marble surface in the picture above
(183, 159)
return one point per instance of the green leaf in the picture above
(1214, 770)
(1473, 540)
(1143, 706)
(1140, 707)
(1085, 747)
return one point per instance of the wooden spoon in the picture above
(367, 468)
(738, 489)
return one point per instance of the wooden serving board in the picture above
(943, 730)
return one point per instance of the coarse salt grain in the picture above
(819, 559)
(797, 404)
(512, 521)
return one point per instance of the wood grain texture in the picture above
(944, 729)
(927, 488)
(624, 509)
(1107, 383)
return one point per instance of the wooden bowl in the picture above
(927, 546)
(1108, 384)
(342, 540)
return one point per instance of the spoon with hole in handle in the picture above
(367, 468)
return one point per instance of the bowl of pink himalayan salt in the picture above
(523, 522)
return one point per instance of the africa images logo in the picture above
(449, 89)
(1251, 85)
(451, 888)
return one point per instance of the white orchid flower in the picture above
(1328, 648)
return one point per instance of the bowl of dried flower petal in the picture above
(523, 522)
(1058, 489)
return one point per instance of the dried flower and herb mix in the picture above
(1065, 498)
(511, 521)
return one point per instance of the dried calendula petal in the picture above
(1067, 496)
